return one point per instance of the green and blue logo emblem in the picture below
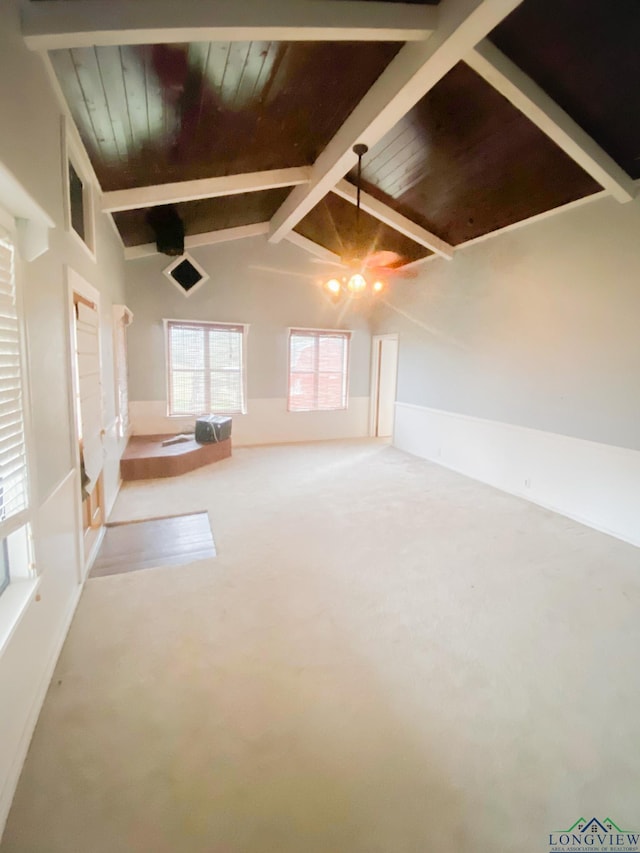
(595, 834)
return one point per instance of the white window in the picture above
(205, 367)
(15, 539)
(318, 370)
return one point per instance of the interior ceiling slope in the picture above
(153, 114)
(461, 163)
(586, 56)
(464, 162)
(331, 224)
(204, 215)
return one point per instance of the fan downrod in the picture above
(360, 149)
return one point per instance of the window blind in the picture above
(318, 368)
(206, 368)
(13, 466)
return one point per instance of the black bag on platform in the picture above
(212, 428)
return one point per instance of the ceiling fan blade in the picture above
(393, 272)
(382, 259)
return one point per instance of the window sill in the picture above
(315, 411)
(13, 603)
(203, 415)
(80, 242)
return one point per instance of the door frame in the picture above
(376, 347)
(77, 285)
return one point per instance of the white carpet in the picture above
(384, 657)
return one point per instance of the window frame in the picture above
(72, 154)
(202, 324)
(23, 581)
(5, 576)
(346, 334)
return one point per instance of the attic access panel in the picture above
(152, 114)
(207, 214)
(331, 224)
(586, 55)
(464, 162)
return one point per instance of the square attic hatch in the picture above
(186, 274)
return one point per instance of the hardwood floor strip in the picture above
(155, 542)
(155, 518)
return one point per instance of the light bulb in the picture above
(333, 285)
(378, 286)
(357, 283)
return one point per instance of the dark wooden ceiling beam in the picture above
(69, 24)
(505, 76)
(414, 71)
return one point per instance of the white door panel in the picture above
(387, 386)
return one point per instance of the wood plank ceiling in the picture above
(207, 214)
(332, 224)
(461, 163)
(154, 114)
(465, 171)
(585, 55)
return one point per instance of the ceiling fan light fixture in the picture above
(354, 284)
(357, 282)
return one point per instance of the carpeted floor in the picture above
(384, 657)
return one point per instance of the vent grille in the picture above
(186, 274)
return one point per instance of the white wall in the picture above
(241, 290)
(30, 147)
(536, 330)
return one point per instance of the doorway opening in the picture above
(88, 415)
(384, 373)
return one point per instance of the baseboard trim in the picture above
(595, 484)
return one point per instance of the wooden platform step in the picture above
(146, 459)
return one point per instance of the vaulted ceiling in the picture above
(479, 114)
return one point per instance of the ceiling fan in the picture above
(363, 272)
